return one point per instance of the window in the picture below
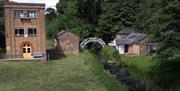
(32, 14)
(151, 47)
(18, 14)
(25, 14)
(19, 32)
(28, 50)
(24, 50)
(32, 32)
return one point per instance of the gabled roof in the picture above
(136, 37)
(132, 38)
(60, 33)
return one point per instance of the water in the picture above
(125, 78)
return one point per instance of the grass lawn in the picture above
(73, 73)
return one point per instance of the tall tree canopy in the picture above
(78, 16)
(115, 15)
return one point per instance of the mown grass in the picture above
(74, 73)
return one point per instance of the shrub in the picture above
(111, 55)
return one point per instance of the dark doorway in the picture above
(126, 48)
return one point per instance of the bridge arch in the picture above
(92, 39)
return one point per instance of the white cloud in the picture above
(49, 3)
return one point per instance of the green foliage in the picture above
(170, 40)
(50, 43)
(50, 14)
(52, 28)
(69, 18)
(140, 66)
(89, 10)
(168, 37)
(110, 54)
(116, 15)
(166, 73)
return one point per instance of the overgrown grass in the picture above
(140, 65)
(74, 73)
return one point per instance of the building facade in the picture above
(24, 29)
(67, 43)
(130, 42)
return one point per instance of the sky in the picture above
(49, 3)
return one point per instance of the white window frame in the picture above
(32, 14)
(18, 13)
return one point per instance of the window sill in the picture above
(19, 35)
(25, 18)
(32, 35)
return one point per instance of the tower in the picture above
(24, 29)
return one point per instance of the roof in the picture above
(136, 37)
(20, 3)
(132, 38)
(24, 5)
(63, 32)
(60, 33)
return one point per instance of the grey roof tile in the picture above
(60, 33)
(134, 37)
(137, 36)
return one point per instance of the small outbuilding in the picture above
(67, 43)
(129, 41)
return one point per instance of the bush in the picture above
(110, 55)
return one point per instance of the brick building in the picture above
(128, 41)
(24, 29)
(67, 43)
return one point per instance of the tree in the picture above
(89, 10)
(50, 14)
(166, 73)
(116, 14)
(111, 54)
(77, 16)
